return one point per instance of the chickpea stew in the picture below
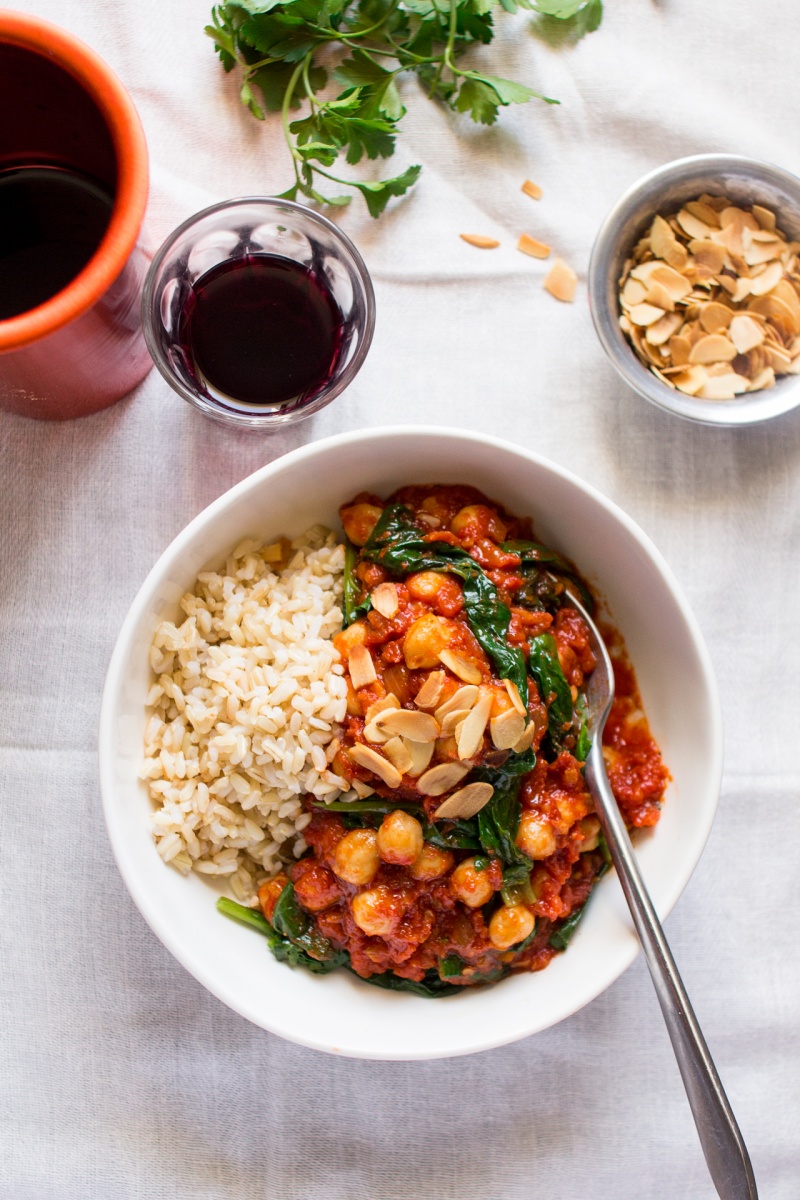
(472, 848)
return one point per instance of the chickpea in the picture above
(431, 864)
(359, 520)
(510, 924)
(316, 888)
(471, 886)
(376, 911)
(424, 585)
(354, 635)
(535, 836)
(356, 859)
(590, 829)
(400, 838)
(269, 894)
(478, 521)
(423, 641)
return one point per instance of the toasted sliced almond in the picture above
(361, 667)
(745, 333)
(374, 762)
(645, 271)
(478, 239)
(514, 697)
(507, 729)
(421, 755)
(764, 379)
(715, 316)
(676, 284)
(666, 245)
(762, 252)
(765, 218)
(645, 314)
(452, 721)
(532, 189)
(679, 347)
(778, 359)
(742, 290)
(362, 790)
(430, 693)
(439, 779)
(661, 331)
(738, 218)
(777, 311)
(767, 280)
(633, 292)
(723, 387)
(708, 254)
(384, 600)
(374, 733)
(561, 281)
(399, 755)
(659, 297)
(465, 802)
(470, 734)
(704, 212)
(387, 701)
(692, 225)
(464, 697)
(529, 245)
(714, 347)
(526, 741)
(461, 667)
(784, 291)
(405, 722)
(691, 381)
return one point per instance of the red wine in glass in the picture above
(261, 332)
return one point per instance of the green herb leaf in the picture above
(432, 987)
(276, 45)
(284, 948)
(553, 687)
(352, 588)
(561, 937)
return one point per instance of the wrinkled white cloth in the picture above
(119, 1075)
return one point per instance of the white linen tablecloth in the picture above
(121, 1076)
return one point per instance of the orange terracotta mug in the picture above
(80, 349)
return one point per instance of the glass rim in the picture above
(232, 417)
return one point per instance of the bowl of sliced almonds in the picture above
(694, 288)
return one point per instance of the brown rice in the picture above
(248, 693)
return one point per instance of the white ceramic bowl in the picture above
(339, 1013)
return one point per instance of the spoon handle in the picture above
(723, 1146)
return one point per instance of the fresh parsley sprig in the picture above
(277, 46)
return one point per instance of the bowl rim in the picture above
(742, 412)
(154, 914)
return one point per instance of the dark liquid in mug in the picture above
(262, 330)
(52, 221)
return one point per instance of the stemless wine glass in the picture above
(236, 229)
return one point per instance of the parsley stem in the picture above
(287, 100)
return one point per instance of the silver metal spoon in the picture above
(725, 1151)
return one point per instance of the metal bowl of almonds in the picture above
(694, 287)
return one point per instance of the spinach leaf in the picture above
(431, 986)
(546, 670)
(397, 544)
(536, 559)
(516, 887)
(584, 743)
(498, 821)
(352, 588)
(293, 923)
(452, 966)
(284, 949)
(562, 936)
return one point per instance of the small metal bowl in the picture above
(664, 190)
